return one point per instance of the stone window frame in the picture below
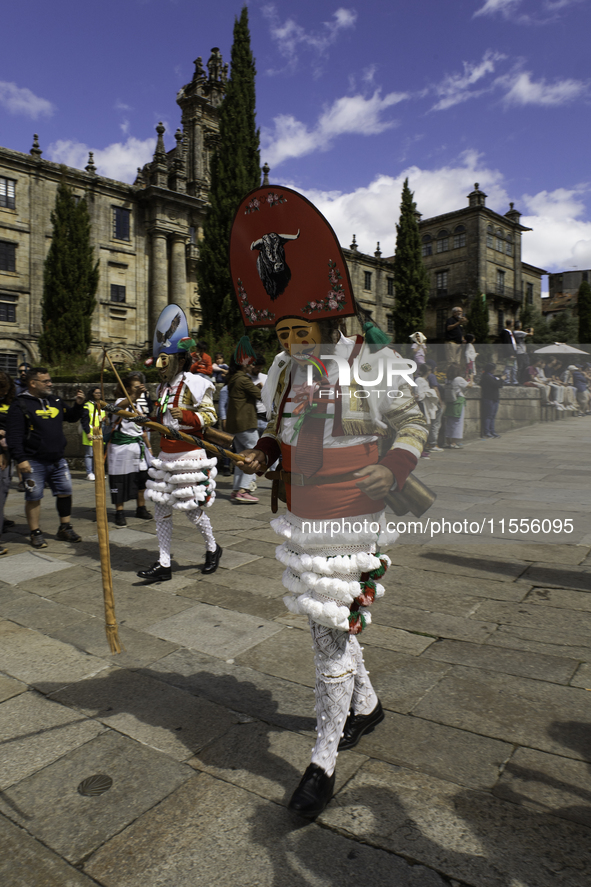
(500, 283)
(8, 302)
(390, 323)
(427, 245)
(459, 237)
(389, 286)
(7, 199)
(116, 291)
(529, 292)
(441, 282)
(500, 240)
(489, 237)
(367, 275)
(6, 256)
(118, 216)
(442, 241)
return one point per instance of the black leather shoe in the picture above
(313, 793)
(357, 725)
(156, 573)
(212, 559)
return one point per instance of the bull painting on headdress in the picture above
(272, 267)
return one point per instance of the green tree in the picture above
(584, 311)
(70, 280)
(235, 170)
(478, 319)
(410, 275)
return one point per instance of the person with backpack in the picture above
(455, 404)
(36, 440)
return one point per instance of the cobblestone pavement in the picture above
(480, 651)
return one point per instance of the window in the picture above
(459, 240)
(8, 308)
(500, 321)
(509, 248)
(441, 318)
(9, 362)
(441, 283)
(390, 321)
(427, 249)
(117, 293)
(489, 237)
(442, 242)
(192, 235)
(500, 283)
(121, 223)
(529, 293)
(390, 285)
(586, 276)
(7, 192)
(499, 241)
(367, 284)
(7, 256)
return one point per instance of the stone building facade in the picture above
(475, 251)
(144, 235)
(563, 291)
(468, 252)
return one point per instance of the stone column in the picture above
(178, 272)
(158, 278)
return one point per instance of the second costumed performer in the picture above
(343, 448)
(182, 478)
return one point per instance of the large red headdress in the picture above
(285, 260)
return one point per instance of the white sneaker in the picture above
(436, 450)
(90, 476)
(253, 486)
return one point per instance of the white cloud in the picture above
(525, 91)
(561, 235)
(117, 161)
(20, 100)
(493, 6)
(561, 238)
(291, 37)
(456, 88)
(543, 13)
(349, 114)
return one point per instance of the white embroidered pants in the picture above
(342, 684)
(163, 516)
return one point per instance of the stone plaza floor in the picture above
(480, 651)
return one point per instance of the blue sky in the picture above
(351, 99)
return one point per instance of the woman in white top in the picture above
(419, 347)
(453, 395)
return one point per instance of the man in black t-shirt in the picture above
(37, 442)
(454, 334)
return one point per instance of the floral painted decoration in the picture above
(253, 206)
(274, 199)
(251, 313)
(335, 298)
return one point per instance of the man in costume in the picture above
(182, 477)
(339, 456)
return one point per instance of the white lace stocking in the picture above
(364, 698)
(163, 516)
(203, 524)
(335, 679)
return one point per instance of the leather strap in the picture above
(300, 480)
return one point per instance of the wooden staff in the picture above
(103, 535)
(168, 432)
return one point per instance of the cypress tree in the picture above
(584, 312)
(478, 319)
(410, 275)
(235, 170)
(70, 280)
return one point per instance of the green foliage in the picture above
(70, 280)
(410, 275)
(561, 328)
(584, 311)
(263, 341)
(235, 170)
(478, 319)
